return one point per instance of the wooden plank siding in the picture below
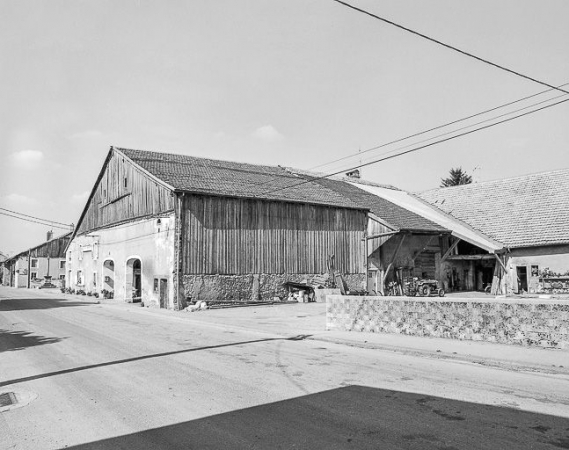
(113, 202)
(53, 249)
(242, 236)
(375, 228)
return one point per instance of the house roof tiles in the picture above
(226, 178)
(531, 210)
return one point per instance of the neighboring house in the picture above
(3, 258)
(528, 216)
(162, 228)
(38, 266)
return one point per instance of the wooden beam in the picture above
(394, 255)
(470, 257)
(375, 236)
(450, 249)
(501, 263)
(114, 200)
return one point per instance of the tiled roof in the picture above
(526, 211)
(390, 212)
(215, 177)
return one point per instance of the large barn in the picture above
(161, 228)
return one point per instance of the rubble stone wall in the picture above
(251, 287)
(529, 322)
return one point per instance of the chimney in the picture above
(353, 173)
(49, 235)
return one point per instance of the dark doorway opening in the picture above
(163, 293)
(522, 273)
(133, 280)
(136, 281)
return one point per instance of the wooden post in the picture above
(178, 251)
(450, 249)
(394, 256)
(497, 279)
(29, 268)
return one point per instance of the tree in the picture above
(456, 178)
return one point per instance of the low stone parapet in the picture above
(530, 322)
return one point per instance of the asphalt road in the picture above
(97, 376)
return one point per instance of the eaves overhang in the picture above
(457, 228)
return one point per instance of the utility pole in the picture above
(29, 267)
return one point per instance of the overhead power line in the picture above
(436, 128)
(377, 147)
(472, 125)
(28, 218)
(33, 217)
(451, 47)
(311, 180)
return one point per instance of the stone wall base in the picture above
(251, 287)
(543, 323)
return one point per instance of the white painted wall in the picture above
(41, 270)
(147, 240)
(527, 258)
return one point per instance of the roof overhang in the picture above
(457, 228)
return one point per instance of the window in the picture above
(80, 277)
(62, 276)
(62, 264)
(155, 284)
(125, 182)
(94, 279)
(34, 263)
(34, 275)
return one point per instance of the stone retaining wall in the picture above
(251, 287)
(525, 322)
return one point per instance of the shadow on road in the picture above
(21, 304)
(140, 358)
(356, 417)
(20, 340)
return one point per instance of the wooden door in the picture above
(163, 293)
(372, 282)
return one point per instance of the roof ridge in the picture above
(198, 157)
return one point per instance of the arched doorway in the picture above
(108, 279)
(133, 280)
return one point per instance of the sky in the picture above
(296, 83)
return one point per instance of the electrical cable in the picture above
(35, 221)
(421, 147)
(473, 125)
(456, 49)
(33, 217)
(377, 147)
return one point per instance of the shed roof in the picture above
(416, 205)
(526, 211)
(226, 178)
